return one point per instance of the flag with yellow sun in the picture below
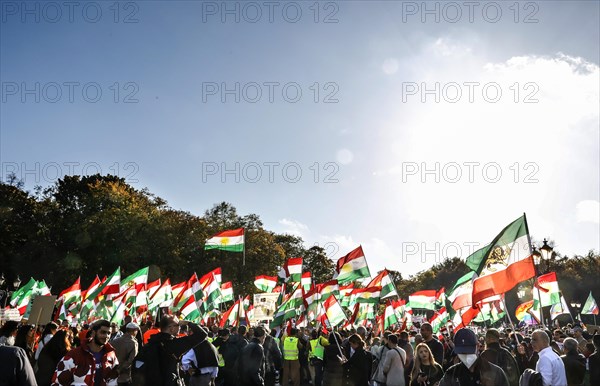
(231, 240)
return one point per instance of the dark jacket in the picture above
(273, 357)
(126, 348)
(252, 364)
(230, 350)
(574, 368)
(487, 373)
(594, 365)
(437, 349)
(15, 368)
(163, 366)
(206, 354)
(46, 364)
(357, 370)
(333, 371)
(502, 358)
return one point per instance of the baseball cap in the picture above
(132, 326)
(465, 341)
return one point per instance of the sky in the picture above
(417, 130)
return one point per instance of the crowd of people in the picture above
(174, 353)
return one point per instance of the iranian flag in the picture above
(110, 286)
(559, 308)
(293, 269)
(383, 280)
(334, 312)
(136, 280)
(438, 319)
(21, 297)
(232, 240)
(265, 283)
(163, 297)
(504, 263)
(590, 307)
(71, 297)
(462, 293)
(306, 281)
(423, 299)
(352, 267)
(440, 298)
(549, 293)
(212, 292)
(152, 287)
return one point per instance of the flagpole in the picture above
(536, 271)
(510, 320)
(244, 250)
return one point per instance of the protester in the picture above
(291, 364)
(49, 331)
(404, 344)
(115, 333)
(126, 348)
(426, 371)
(15, 369)
(273, 360)
(357, 367)
(252, 360)
(549, 364)
(26, 340)
(162, 354)
(472, 369)
(202, 363)
(437, 349)
(500, 356)
(394, 363)
(303, 354)
(594, 361)
(8, 333)
(93, 363)
(229, 353)
(333, 371)
(52, 352)
(574, 363)
(578, 335)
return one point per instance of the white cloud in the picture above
(588, 211)
(390, 66)
(294, 227)
(344, 156)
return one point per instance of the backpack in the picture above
(531, 378)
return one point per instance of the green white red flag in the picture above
(549, 293)
(423, 299)
(265, 283)
(383, 280)
(306, 281)
(590, 307)
(293, 269)
(504, 263)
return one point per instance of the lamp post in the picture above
(577, 307)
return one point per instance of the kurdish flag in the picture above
(366, 295)
(590, 307)
(306, 281)
(438, 319)
(226, 292)
(333, 310)
(423, 299)
(351, 267)
(189, 310)
(383, 280)
(265, 283)
(549, 293)
(232, 240)
(389, 316)
(504, 263)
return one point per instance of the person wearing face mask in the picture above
(472, 369)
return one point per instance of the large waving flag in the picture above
(232, 240)
(590, 307)
(21, 297)
(383, 280)
(71, 297)
(462, 293)
(559, 308)
(334, 312)
(292, 269)
(504, 263)
(423, 299)
(352, 267)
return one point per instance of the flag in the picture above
(351, 267)
(522, 310)
(306, 281)
(344, 294)
(390, 317)
(438, 319)
(21, 297)
(328, 288)
(559, 309)
(504, 263)
(232, 316)
(366, 295)
(549, 293)
(135, 279)
(293, 269)
(232, 240)
(423, 299)
(163, 297)
(333, 310)
(265, 283)
(71, 296)
(387, 287)
(109, 286)
(189, 310)
(462, 293)
(215, 274)
(226, 292)
(590, 307)
(440, 298)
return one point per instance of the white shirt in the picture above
(552, 368)
(189, 359)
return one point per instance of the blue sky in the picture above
(362, 132)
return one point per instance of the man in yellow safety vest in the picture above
(291, 366)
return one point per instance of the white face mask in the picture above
(467, 359)
(411, 339)
(10, 341)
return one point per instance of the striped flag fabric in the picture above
(549, 293)
(503, 263)
(265, 283)
(423, 299)
(226, 292)
(328, 288)
(334, 312)
(389, 318)
(293, 269)
(352, 267)
(366, 295)
(230, 240)
(306, 281)
(590, 307)
(383, 280)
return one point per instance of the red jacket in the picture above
(78, 367)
